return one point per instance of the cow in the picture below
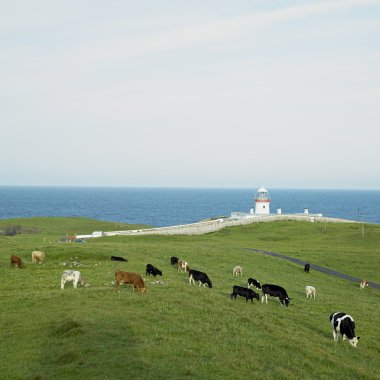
(275, 291)
(247, 293)
(118, 258)
(310, 291)
(182, 265)
(38, 256)
(253, 282)
(238, 270)
(16, 261)
(363, 284)
(151, 270)
(174, 260)
(307, 268)
(344, 325)
(195, 275)
(72, 275)
(130, 278)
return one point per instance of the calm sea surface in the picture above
(166, 206)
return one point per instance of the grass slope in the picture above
(177, 331)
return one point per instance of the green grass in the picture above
(177, 331)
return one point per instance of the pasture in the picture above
(178, 331)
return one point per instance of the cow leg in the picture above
(344, 336)
(75, 283)
(63, 284)
(335, 335)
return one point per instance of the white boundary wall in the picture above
(201, 228)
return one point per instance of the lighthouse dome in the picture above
(262, 194)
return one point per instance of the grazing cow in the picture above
(195, 275)
(182, 265)
(253, 282)
(38, 256)
(247, 293)
(307, 268)
(237, 270)
(363, 284)
(72, 275)
(151, 270)
(275, 291)
(130, 278)
(310, 291)
(344, 325)
(117, 258)
(16, 261)
(174, 260)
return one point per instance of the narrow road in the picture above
(316, 267)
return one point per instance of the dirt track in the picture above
(315, 267)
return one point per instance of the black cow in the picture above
(253, 282)
(275, 291)
(195, 275)
(344, 325)
(247, 293)
(151, 270)
(307, 268)
(117, 258)
(174, 260)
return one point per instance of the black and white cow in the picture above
(174, 260)
(117, 258)
(253, 282)
(344, 325)
(307, 268)
(275, 291)
(196, 275)
(247, 293)
(152, 270)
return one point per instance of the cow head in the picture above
(354, 341)
(286, 301)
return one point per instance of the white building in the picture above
(262, 201)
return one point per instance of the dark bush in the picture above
(12, 230)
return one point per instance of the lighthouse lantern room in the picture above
(262, 201)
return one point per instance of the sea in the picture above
(160, 207)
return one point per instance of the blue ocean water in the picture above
(171, 206)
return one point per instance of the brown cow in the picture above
(363, 284)
(131, 278)
(16, 261)
(182, 265)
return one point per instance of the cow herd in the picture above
(341, 323)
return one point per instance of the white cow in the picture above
(310, 291)
(72, 275)
(237, 270)
(38, 256)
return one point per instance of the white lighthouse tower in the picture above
(262, 201)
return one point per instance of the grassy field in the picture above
(177, 331)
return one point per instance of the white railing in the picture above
(201, 228)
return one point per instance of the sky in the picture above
(217, 93)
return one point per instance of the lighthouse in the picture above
(262, 201)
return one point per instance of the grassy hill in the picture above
(177, 331)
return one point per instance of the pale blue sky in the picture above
(190, 93)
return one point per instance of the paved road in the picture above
(315, 267)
